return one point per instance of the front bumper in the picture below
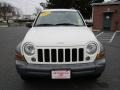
(96, 67)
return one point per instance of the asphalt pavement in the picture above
(10, 80)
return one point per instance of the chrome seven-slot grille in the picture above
(66, 55)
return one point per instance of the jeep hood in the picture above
(59, 36)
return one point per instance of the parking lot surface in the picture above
(10, 80)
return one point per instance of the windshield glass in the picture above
(53, 18)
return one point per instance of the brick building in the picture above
(106, 16)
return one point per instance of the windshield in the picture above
(64, 18)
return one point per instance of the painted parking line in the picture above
(112, 37)
(99, 34)
(106, 37)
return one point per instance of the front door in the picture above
(107, 21)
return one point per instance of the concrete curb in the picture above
(3, 26)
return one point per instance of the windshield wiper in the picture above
(45, 25)
(60, 24)
(67, 24)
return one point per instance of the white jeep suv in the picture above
(59, 45)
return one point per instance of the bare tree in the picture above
(84, 6)
(7, 11)
(17, 11)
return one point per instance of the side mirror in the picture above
(89, 24)
(29, 24)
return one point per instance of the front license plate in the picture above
(61, 74)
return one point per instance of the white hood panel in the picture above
(59, 36)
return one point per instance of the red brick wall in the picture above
(98, 12)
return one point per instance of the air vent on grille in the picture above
(74, 55)
(60, 55)
(53, 55)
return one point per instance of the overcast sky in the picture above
(26, 6)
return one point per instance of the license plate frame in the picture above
(61, 74)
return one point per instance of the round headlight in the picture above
(91, 48)
(29, 49)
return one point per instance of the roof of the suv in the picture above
(59, 10)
